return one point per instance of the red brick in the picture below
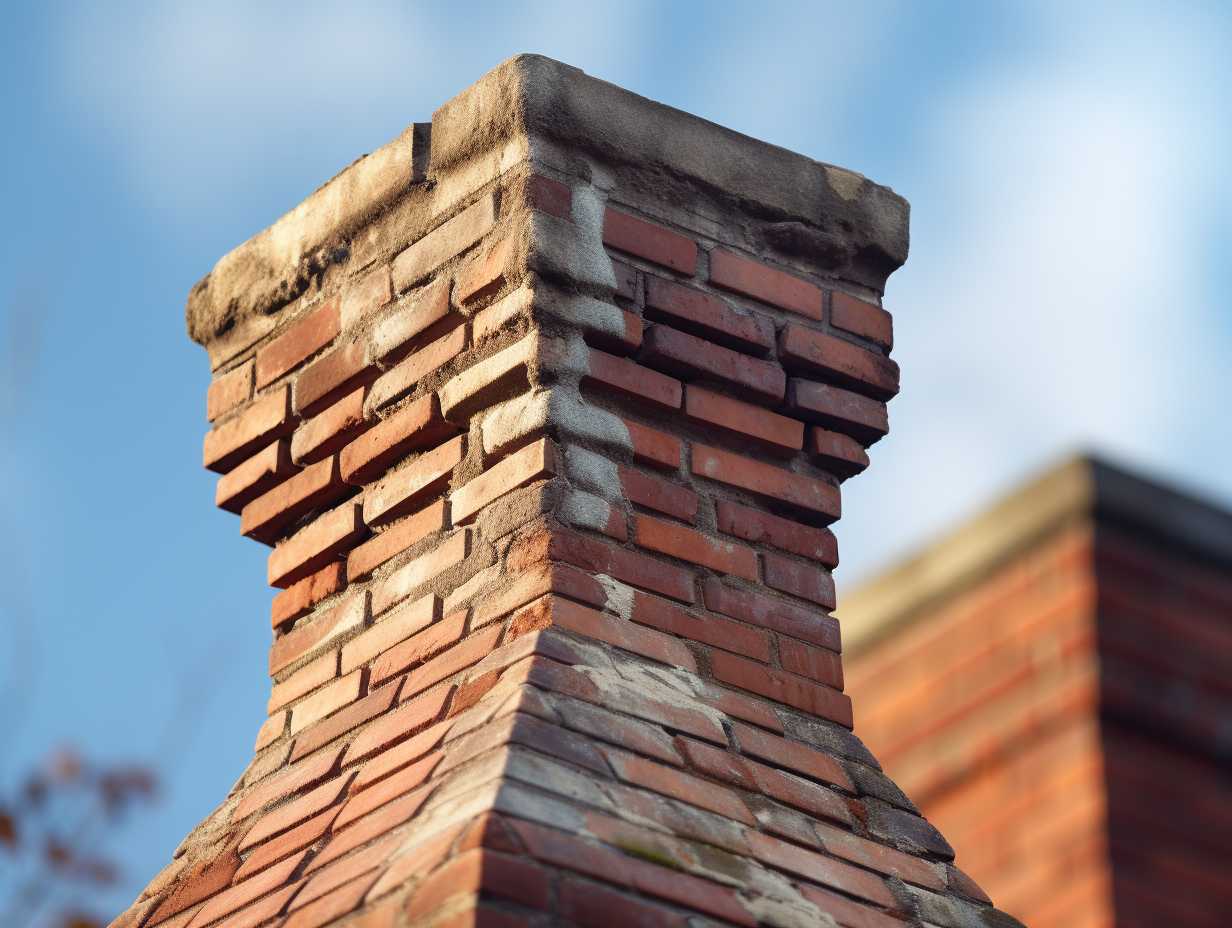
(299, 598)
(331, 906)
(196, 882)
(549, 196)
(742, 706)
(678, 785)
(709, 316)
(523, 587)
(486, 272)
(412, 718)
(338, 724)
(300, 341)
(343, 870)
(466, 653)
(407, 578)
(239, 895)
(688, 356)
(621, 633)
(783, 687)
(265, 469)
(416, 426)
(407, 487)
(690, 545)
(297, 810)
(653, 879)
(840, 454)
(293, 779)
(731, 636)
(365, 295)
(592, 905)
(629, 566)
(878, 857)
(649, 240)
(331, 376)
(803, 580)
(768, 284)
(443, 242)
(303, 681)
(718, 763)
(652, 447)
(406, 377)
(777, 615)
(329, 431)
(315, 486)
(326, 701)
(761, 527)
(824, 870)
(809, 660)
(270, 731)
(315, 545)
(633, 380)
(229, 390)
(374, 552)
(792, 755)
(863, 319)
(289, 648)
(743, 419)
(286, 844)
(518, 469)
(503, 876)
(866, 372)
(389, 789)
(654, 493)
(396, 627)
(628, 283)
(846, 912)
(414, 315)
(807, 493)
(269, 417)
(862, 418)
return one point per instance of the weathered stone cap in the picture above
(1080, 488)
(832, 217)
(844, 213)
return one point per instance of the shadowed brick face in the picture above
(1054, 709)
(553, 642)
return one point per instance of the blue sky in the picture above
(1068, 285)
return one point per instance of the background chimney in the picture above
(1049, 683)
(542, 410)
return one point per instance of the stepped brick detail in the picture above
(552, 643)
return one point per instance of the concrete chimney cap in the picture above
(830, 217)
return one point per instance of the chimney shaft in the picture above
(543, 410)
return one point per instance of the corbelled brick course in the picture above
(554, 644)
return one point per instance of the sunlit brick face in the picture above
(558, 435)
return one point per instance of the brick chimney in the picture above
(1049, 681)
(543, 409)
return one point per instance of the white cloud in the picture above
(204, 104)
(1059, 293)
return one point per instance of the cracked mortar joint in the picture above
(618, 597)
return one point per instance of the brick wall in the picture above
(545, 449)
(1062, 716)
